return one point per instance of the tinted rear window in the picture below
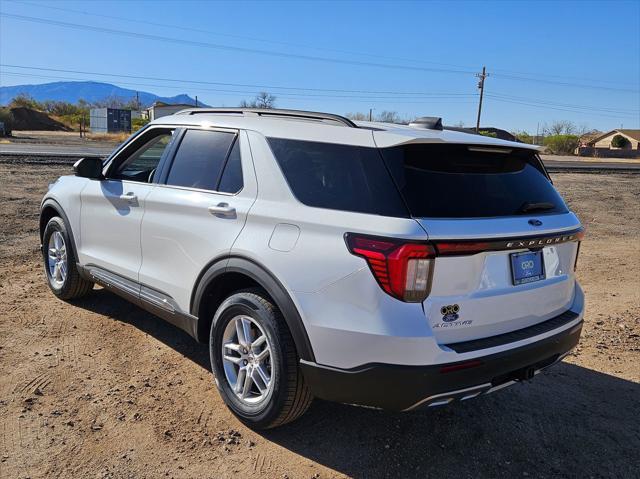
(200, 158)
(339, 177)
(453, 181)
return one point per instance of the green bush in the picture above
(491, 134)
(523, 136)
(138, 123)
(619, 141)
(561, 144)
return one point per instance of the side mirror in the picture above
(90, 167)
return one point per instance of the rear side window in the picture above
(200, 159)
(460, 181)
(338, 177)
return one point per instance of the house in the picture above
(160, 109)
(620, 143)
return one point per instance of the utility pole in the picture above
(196, 101)
(482, 76)
(370, 114)
(137, 101)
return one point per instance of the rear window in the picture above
(460, 181)
(339, 177)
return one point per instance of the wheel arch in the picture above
(48, 210)
(234, 273)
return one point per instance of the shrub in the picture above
(619, 141)
(523, 136)
(137, 123)
(561, 144)
(491, 134)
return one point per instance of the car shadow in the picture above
(570, 421)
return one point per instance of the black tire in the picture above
(73, 286)
(290, 397)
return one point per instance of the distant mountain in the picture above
(72, 91)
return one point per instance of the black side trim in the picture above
(51, 203)
(397, 387)
(272, 286)
(513, 336)
(154, 301)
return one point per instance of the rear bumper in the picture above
(400, 388)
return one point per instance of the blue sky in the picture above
(547, 61)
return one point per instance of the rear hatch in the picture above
(506, 242)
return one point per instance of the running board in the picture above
(152, 300)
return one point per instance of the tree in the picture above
(562, 127)
(24, 100)
(388, 117)
(620, 141)
(357, 116)
(561, 144)
(262, 100)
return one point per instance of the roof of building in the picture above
(157, 104)
(635, 134)
(327, 128)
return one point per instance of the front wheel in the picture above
(60, 262)
(255, 363)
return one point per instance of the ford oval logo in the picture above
(535, 222)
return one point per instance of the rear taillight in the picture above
(403, 269)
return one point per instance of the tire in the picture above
(286, 396)
(63, 279)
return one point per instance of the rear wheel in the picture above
(60, 262)
(254, 360)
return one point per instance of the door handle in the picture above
(223, 209)
(129, 198)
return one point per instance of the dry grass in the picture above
(113, 137)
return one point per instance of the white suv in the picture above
(367, 263)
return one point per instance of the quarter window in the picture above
(200, 159)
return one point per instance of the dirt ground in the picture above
(100, 388)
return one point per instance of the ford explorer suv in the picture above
(387, 266)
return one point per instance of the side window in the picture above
(338, 177)
(142, 163)
(231, 181)
(200, 159)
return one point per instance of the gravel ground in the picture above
(100, 388)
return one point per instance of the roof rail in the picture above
(310, 115)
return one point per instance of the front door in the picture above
(112, 209)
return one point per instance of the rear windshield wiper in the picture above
(530, 206)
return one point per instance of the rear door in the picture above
(196, 212)
(507, 243)
(112, 209)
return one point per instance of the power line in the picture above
(229, 35)
(547, 102)
(527, 75)
(620, 115)
(220, 46)
(247, 85)
(284, 95)
(361, 94)
(291, 55)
